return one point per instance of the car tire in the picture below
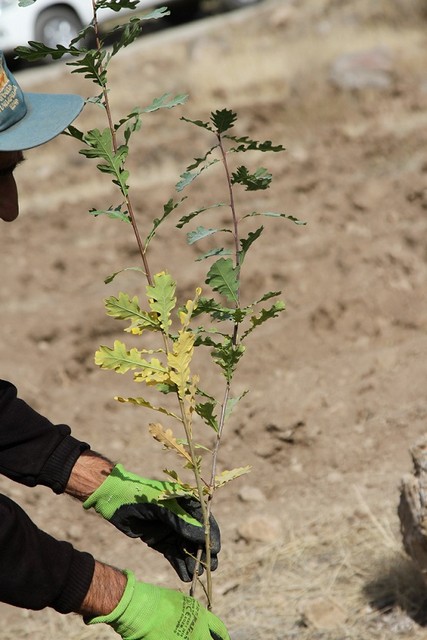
(57, 25)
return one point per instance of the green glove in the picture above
(172, 527)
(154, 613)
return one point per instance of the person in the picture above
(36, 570)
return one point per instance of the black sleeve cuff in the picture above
(57, 470)
(78, 582)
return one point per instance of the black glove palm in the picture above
(171, 527)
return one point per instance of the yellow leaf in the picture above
(227, 476)
(168, 440)
(179, 361)
(145, 403)
(151, 372)
(185, 316)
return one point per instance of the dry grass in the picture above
(350, 580)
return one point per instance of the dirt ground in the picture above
(337, 383)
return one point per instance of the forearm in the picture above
(105, 591)
(88, 473)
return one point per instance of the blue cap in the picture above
(30, 119)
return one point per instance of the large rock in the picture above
(413, 507)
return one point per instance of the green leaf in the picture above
(232, 402)
(165, 102)
(222, 277)
(162, 298)
(124, 35)
(199, 123)
(100, 145)
(198, 161)
(25, 3)
(168, 208)
(267, 296)
(93, 65)
(227, 356)
(246, 144)
(206, 410)
(223, 120)
(205, 341)
(116, 5)
(245, 243)
(273, 214)
(257, 181)
(110, 278)
(202, 232)
(161, 12)
(74, 133)
(115, 213)
(215, 309)
(82, 36)
(185, 219)
(264, 315)
(166, 387)
(37, 51)
(214, 252)
(186, 178)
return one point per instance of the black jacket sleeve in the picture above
(32, 450)
(37, 571)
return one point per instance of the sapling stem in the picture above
(227, 390)
(232, 203)
(107, 106)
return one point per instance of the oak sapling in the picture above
(170, 330)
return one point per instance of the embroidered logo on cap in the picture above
(3, 78)
(12, 102)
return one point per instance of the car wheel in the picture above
(57, 25)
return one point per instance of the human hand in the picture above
(171, 527)
(147, 612)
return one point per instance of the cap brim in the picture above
(47, 116)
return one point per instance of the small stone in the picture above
(322, 613)
(75, 532)
(334, 477)
(251, 494)
(265, 528)
(363, 69)
(282, 17)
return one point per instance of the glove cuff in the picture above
(104, 498)
(123, 604)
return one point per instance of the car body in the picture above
(58, 21)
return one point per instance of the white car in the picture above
(58, 21)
